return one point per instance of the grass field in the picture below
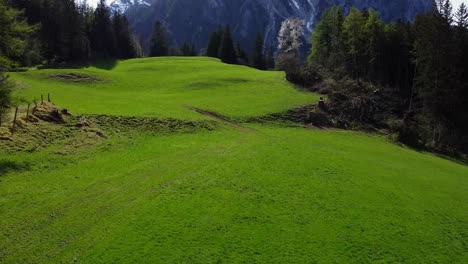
(165, 87)
(252, 193)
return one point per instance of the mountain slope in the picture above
(194, 20)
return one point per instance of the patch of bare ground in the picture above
(49, 126)
(74, 77)
(46, 126)
(222, 118)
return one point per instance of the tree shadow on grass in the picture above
(9, 166)
(105, 64)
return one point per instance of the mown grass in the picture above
(256, 194)
(164, 87)
(269, 195)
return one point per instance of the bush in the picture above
(305, 76)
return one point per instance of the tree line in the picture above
(423, 63)
(220, 45)
(71, 32)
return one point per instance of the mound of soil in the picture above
(73, 77)
(50, 113)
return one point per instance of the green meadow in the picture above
(236, 193)
(165, 88)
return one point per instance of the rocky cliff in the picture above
(194, 20)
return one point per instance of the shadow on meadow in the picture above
(105, 64)
(8, 166)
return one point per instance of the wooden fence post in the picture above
(27, 112)
(14, 119)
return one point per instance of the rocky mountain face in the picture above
(194, 20)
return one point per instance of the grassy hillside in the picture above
(163, 87)
(251, 193)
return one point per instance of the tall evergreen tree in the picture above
(462, 17)
(159, 41)
(242, 57)
(214, 44)
(80, 47)
(353, 30)
(13, 33)
(270, 58)
(227, 53)
(374, 36)
(125, 45)
(102, 34)
(327, 39)
(259, 53)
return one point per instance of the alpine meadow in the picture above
(339, 139)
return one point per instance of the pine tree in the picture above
(159, 41)
(227, 53)
(13, 34)
(462, 17)
(80, 47)
(214, 44)
(327, 39)
(353, 30)
(270, 58)
(241, 55)
(125, 48)
(259, 53)
(374, 36)
(102, 34)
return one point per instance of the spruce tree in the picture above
(159, 41)
(270, 58)
(102, 34)
(227, 53)
(13, 34)
(125, 48)
(80, 47)
(327, 39)
(353, 31)
(462, 17)
(259, 53)
(214, 45)
(374, 36)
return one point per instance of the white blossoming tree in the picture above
(290, 34)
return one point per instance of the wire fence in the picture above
(21, 111)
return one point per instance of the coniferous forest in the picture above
(409, 77)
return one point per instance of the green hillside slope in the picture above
(231, 193)
(163, 87)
